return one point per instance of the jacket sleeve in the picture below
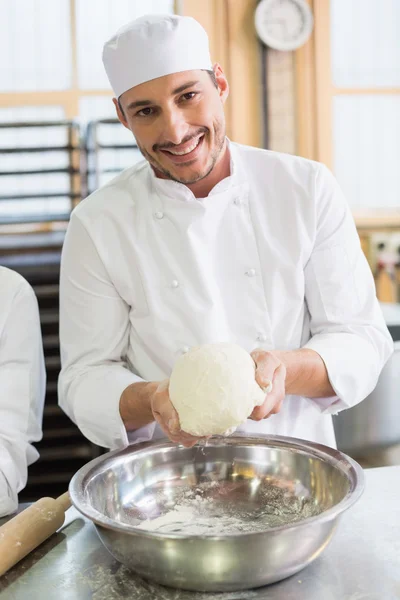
(347, 327)
(94, 337)
(22, 390)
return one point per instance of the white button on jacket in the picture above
(122, 321)
(22, 385)
(251, 273)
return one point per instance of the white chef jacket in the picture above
(270, 258)
(22, 385)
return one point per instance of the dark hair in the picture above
(210, 72)
(213, 78)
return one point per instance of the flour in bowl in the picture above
(200, 511)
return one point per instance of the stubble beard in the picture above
(219, 131)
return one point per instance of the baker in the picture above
(22, 385)
(209, 241)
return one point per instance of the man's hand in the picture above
(144, 402)
(299, 372)
(167, 417)
(270, 373)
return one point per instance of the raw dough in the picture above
(213, 388)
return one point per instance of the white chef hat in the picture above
(153, 46)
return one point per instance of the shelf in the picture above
(377, 219)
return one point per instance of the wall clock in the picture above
(283, 24)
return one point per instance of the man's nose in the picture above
(174, 127)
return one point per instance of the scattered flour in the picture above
(207, 511)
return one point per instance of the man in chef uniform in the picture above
(22, 385)
(209, 241)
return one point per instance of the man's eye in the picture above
(145, 112)
(189, 95)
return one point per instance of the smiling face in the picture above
(178, 123)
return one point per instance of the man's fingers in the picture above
(173, 424)
(161, 423)
(265, 375)
(172, 429)
(273, 401)
(267, 389)
(166, 416)
(266, 364)
(163, 409)
(260, 412)
(279, 390)
(188, 444)
(163, 386)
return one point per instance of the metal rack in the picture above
(108, 149)
(90, 155)
(63, 449)
(36, 256)
(55, 159)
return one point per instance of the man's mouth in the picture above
(186, 151)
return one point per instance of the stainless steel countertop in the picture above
(361, 563)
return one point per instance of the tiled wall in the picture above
(281, 102)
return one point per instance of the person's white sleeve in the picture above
(94, 337)
(22, 391)
(347, 326)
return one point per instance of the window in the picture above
(357, 57)
(51, 70)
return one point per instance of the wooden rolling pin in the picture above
(24, 532)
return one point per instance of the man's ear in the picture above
(223, 85)
(120, 113)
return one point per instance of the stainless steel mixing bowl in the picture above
(120, 489)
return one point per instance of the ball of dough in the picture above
(213, 388)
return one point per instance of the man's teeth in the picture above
(190, 149)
